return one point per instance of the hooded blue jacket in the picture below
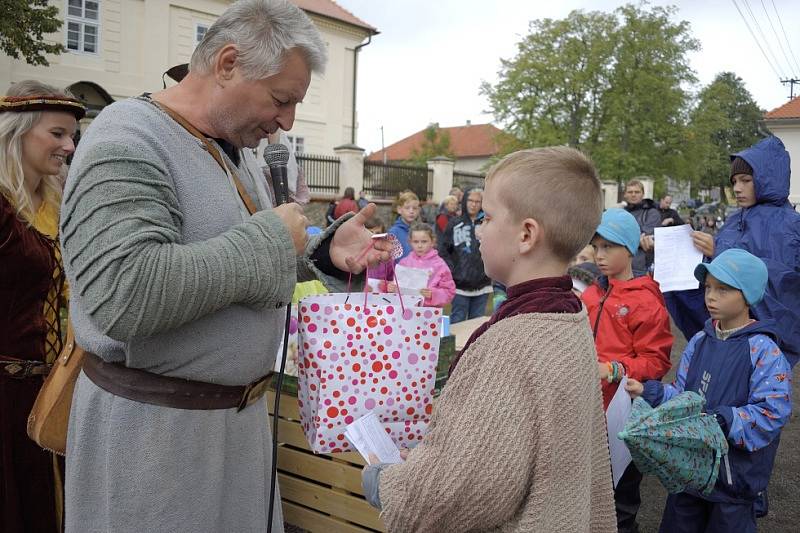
(746, 381)
(770, 230)
(401, 229)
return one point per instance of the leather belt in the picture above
(22, 368)
(178, 393)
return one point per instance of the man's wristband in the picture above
(322, 259)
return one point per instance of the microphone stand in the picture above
(281, 193)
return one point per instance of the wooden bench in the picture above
(322, 492)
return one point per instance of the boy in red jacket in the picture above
(631, 330)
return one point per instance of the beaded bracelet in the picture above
(610, 373)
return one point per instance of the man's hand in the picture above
(668, 221)
(634, 388)
(353, 248)
(427, 293)
(296, 222)
(646, 242)
(703, 242)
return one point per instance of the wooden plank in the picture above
(290, 432)
(346, 507)
(351, 457)
(321, 469)
(316, 522)
(288, 407)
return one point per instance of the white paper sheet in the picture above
(411, 279)
(617, 413)
(368, 435)
(676, 257)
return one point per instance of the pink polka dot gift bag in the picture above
(355, 355)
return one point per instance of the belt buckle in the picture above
(17, 371)
(253, 391)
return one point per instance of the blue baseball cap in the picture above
(739, 269)
(619, 226)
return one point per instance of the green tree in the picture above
(647, 99)
(611, 84)
(22, 25)
(551, 91)
(724, 121)
(435, 143)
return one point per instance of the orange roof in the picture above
(330, 9)
(790, 109)
(475, 140)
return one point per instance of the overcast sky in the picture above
(427, 63)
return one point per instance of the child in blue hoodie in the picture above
(735, 363)
(407, 213)
(768, 227)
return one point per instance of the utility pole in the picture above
(791, 82)
(383, 148)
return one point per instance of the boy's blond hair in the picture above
(406, 196)
(558, 187)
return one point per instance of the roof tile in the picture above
(330, 9)
(790, 109)
(475, 140)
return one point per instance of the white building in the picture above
(121, 48)
(784, 122)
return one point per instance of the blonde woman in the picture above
(37, 125)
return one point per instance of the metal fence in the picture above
(321, 172)
(468, 180)
(386, 181)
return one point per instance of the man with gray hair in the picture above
(180, 274)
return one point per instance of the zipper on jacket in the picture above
(727, 469)
(600, 311)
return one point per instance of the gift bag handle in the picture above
(366, 273)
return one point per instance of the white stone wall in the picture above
(790, 135)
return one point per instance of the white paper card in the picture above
(368, 435)
(411, 279)
(617, 413)
(676, 258)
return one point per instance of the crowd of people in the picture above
(177, 266)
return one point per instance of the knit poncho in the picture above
(517, 441)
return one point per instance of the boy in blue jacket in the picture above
(735, 363)
(768, 227)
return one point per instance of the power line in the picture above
(769, 19)
(788, 43)
(756, 40)
(763, 36)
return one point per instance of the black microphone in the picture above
(277, 157)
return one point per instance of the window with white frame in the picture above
(298, 144)
(199, 32)
(83, 25)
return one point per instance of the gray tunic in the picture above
(170, 274)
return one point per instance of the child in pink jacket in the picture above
(441, 287)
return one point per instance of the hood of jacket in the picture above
(766, 327)
(771, 170)
(647, 203)
(638, 283)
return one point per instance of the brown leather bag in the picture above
(47, 423)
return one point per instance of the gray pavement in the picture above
(784, 488)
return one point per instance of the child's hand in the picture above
(391, 287)
(427, 293)
(703, 242)
(603, 368)
(634, 388)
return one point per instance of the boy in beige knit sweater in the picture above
(517, 441)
